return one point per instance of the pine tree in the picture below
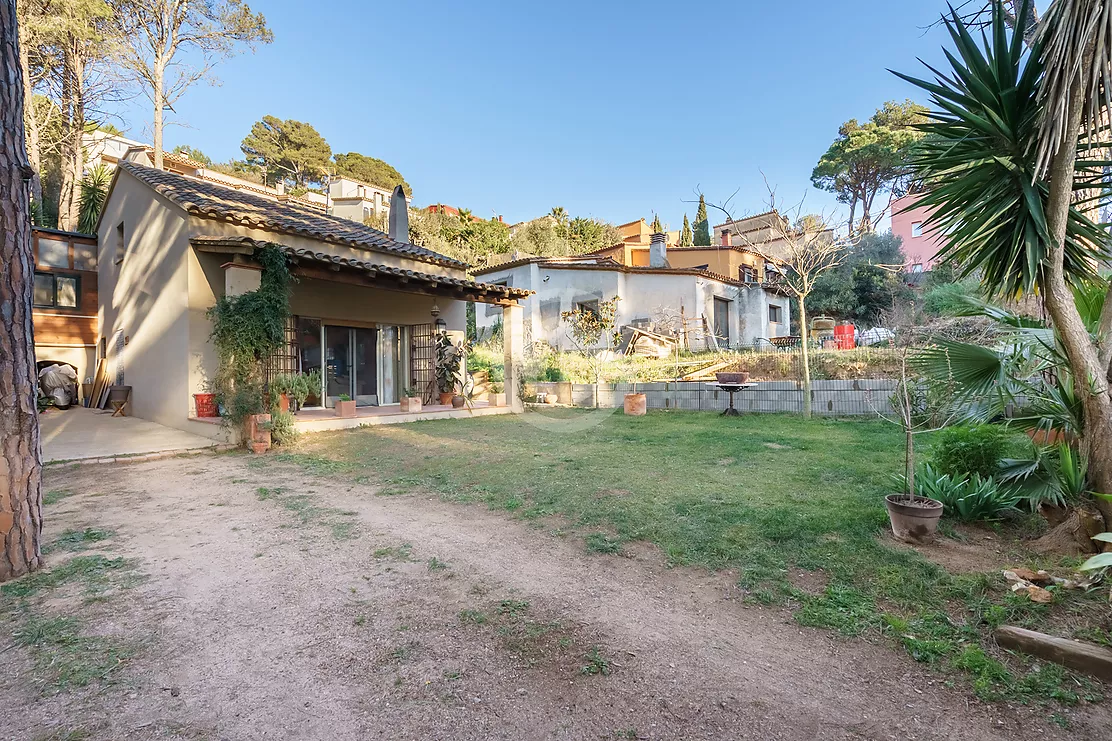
(702, 224)
(656, 227)
(686, 239)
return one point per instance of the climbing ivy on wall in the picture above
(246, 330)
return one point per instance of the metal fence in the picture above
(854, 398)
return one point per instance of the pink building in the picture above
(920, 243)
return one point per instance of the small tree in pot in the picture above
(917, 405)
(588, 328)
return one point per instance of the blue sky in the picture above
(609, 109)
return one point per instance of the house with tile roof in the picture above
(365, 307)
(709, 309)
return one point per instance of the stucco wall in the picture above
(144, 300)
(921, 250)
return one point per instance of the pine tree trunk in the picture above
(69, 208)
(66, 192)
(20, 454)
(1090, 379)
(31, 124)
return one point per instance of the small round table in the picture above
(731, 389)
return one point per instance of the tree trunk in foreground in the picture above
(20, 454)
(1090, 379)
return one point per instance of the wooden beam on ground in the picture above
(1084, 657)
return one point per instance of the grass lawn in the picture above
(760, 494)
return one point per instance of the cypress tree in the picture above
(702, 224)
(656, 227)
(686, 239)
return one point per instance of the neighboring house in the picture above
(920, 244)
(365, 307)
(102, 148)
(735, 263)
(358, 201)
(64, 311)
(760, 232)
(638, 235)
(655, 297)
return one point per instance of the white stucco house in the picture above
(659, 299)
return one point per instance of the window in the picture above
(917, 267)
(722, 320)
(54, 291)
(121, 244)
(775, 314)
(748, 274)
(916, 228)
(591, 306)
(53, 253)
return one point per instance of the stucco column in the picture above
(240, 279)
(513, 340)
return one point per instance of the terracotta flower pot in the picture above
(256, 431)
(259, 448)
(635, 405)
(446, 397)
(728, 379)
(345, 409)
(283, 403)
(206, 405)
(551, 399)
(913, 520)
(497, 400)
(411, 404)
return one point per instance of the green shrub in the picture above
(949, 299)
(968, 498)
(967, 450)
(283, 428)
(553, 374)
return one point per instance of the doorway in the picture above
(351, 368)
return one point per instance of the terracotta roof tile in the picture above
(371, 268)
(225, 203)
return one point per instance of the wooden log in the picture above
(1084, 657)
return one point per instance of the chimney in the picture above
(658, 251)
(280, 186)
(725, 237)
(399, 217)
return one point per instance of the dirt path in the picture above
(313, 609)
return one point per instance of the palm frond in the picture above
(1069, 33)
(94, 190)
(977, 162)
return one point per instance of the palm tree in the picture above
(559, 214)
(464, 215)
(94, 189)
(1008, 165)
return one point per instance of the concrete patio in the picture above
(81, 434)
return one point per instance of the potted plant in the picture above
(345, 406)
(449, 361)
(497, 395)
(283, 387)
(206, 403)
(410, 401)
(914, 518)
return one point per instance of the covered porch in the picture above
(367, 331)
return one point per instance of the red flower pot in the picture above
(206, 405)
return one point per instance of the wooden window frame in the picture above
(54, 279)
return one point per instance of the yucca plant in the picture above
(967, 498)
(979, 164)
(94, 191)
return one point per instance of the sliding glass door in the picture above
(363, 363)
